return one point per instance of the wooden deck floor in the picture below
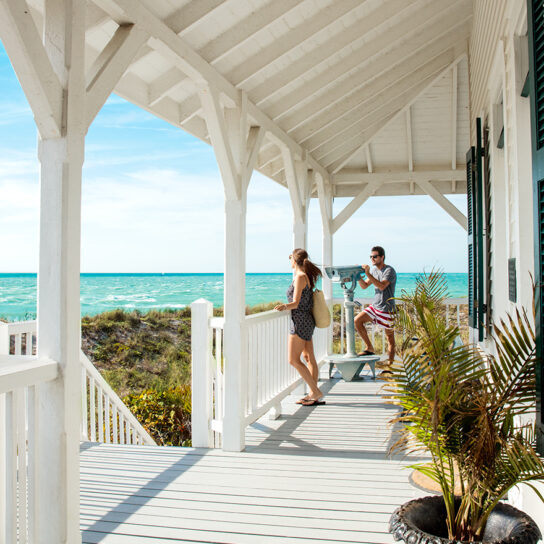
(315, 475)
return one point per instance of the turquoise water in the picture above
(101, 292)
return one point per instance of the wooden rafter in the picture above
(409, 145)
(454, 117)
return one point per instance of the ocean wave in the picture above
(134, 298)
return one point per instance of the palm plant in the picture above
(464, 408)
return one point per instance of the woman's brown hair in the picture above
(300, 256)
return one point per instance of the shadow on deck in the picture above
(318, 474)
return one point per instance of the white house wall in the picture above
(495, 91)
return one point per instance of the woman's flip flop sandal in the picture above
(313, 402)
(302, 400)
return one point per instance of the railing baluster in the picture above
(458, 316)
(121, 429)
(92, 409)
(20, 410)
(107, 438)
(100, 414)
(11, 469)
(3, 465)
(33, 462)
(115, 428)
(342, 328)
(18, 342)
(84, 406)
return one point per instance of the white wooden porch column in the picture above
(51, 72)
(236, 150)
(325, 206)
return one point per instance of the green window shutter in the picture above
(477, 196)
(488, 216)
(476, 265)
(472, 294)
(535, 30)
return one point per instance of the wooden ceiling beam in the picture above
(360, 176)
(397, 188)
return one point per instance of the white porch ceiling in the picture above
(363, 90)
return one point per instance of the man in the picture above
(380, 312)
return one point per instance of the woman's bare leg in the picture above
(311, 361)
(296, 346)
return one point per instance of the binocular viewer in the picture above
(345, 275)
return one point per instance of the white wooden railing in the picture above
(453, 306)
(267, 376)
(20, 462)
(104, 416)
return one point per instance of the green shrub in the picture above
(166, 415)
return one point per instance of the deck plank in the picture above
(317, 474)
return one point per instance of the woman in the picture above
(300, 297)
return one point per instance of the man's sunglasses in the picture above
(375, 256)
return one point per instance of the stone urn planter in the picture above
(423, 521)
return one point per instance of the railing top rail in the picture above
(19, 327)
(217, 322)
(21, 371)
(269, 315)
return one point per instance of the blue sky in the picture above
(153, 202)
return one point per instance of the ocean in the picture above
(101, 292)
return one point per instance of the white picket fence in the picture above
(267, 378)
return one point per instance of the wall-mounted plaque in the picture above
(512, 284)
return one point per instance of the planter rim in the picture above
(403, 528)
